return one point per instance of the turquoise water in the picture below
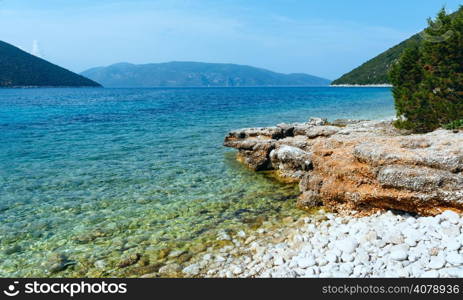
(89, 177)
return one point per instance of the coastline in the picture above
(364, 232)
(385, 85)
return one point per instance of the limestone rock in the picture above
(317, 121)
(321, 131)
(361, 165)
(289, 160)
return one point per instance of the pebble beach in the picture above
(384, 244)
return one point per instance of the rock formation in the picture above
(359, 165)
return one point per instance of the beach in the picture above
(391, 205)
(340, 246)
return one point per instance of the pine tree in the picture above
(443, 69)
(406, 75)
(428, 81)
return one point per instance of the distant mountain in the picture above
(20, 69)
(375, 71)
(196, 74)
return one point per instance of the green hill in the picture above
(375, 71)
(21, 69)
(196, 74)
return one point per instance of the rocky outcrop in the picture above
(359, 165)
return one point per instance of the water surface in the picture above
(97, 175)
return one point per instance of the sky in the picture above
(324, 38)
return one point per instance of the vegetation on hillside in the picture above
(196, 74)
(19, 69)
(428, 79)
(375, 71)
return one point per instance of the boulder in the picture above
(317, 121)
(258, 156)
(290, 161)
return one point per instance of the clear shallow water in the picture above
(97, 175)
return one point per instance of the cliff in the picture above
(359, 165)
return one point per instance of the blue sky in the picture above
(325, 38)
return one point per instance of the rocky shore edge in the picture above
(359, 165)
(390, 204)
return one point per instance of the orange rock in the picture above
(364, 166)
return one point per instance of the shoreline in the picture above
(373, 220)
(384, 85)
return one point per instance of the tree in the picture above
(428, 80)
(443, 68)
(406, 75)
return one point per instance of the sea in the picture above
(93, 177)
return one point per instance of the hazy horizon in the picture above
(322, 39)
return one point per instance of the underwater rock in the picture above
(57, 262)
(170, 270)
(90, 236)
(176, 253)
(163, 253)
(12, 250)
(360, 165)
(100, 264)
(309, 199)
(131, 260)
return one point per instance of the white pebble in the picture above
(306, 262)
(237, 270)
(436, 262)
(380, 245)
(451, 216)
(278, 261)
(454, 258)
(452, 245)
(191, 270)
(347, 245)
(430, 274)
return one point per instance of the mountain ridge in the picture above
(196, 74)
